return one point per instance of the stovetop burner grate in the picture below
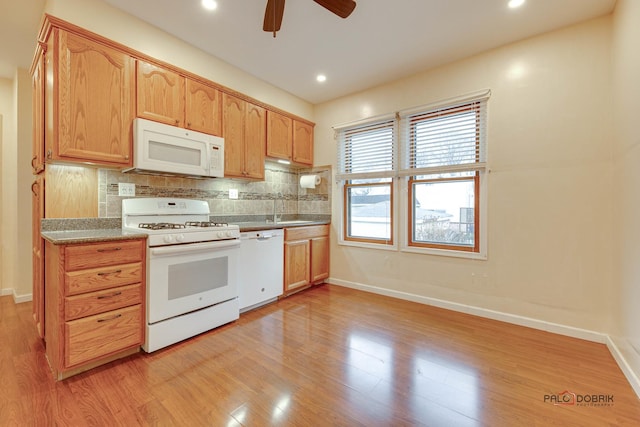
(160, 225)
(205, 224)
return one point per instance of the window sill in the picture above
(380, 246)
(445, 252)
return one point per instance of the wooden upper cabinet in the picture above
(244, 132)
(160, 94)
(302, 143)
(37, 92)
(203, 108)
(255, 140)
(279, 136)
(95, 102)
(233, 133)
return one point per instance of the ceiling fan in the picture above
(275, 10)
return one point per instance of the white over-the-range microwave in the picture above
(159, 149)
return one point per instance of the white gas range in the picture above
(192, 268)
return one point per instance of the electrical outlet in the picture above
(233, 193)
(126, 189)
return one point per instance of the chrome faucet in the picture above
(275, 211)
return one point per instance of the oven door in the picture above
(184, 278)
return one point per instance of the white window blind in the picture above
(444, 139)
(367, 151)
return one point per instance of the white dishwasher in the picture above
(261, 274)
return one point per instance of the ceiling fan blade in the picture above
(342, 8)
(273, 16)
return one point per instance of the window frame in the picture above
(404, 176)
(346, 237)
(346, 176)
(443, 246)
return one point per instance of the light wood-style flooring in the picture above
(329, 356)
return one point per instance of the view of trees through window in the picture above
(443, 212)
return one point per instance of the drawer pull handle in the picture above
(105, 273)
(110, 249)
(109, 318)
(115, 294)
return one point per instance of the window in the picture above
(366, 165)
(437, 153)
(444, 165)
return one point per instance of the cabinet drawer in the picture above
(302, 233)
(79, 257)
(100, 335)
(99, 302)
(95, 279)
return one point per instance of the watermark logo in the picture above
(569, 398)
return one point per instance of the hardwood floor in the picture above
(329, 356)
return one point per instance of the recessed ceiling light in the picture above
(515, 3)
(321, 78)
(210, 4)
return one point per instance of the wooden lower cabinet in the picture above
(319, 258)
(37, 206)
(306, 257)
(95, 303)
(296, 264)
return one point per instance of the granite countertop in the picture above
(67, 237)
(66, 231)
(89, 230)
(262, 225)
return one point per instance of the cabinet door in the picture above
(37, 205)
(319, 259)
(37, 87)
(279, 136)
(95, 102)
(255, 140)
(296, 264)
(233, 133)
(97, 336)
(160, 94)
(302, 143)
(203, 108)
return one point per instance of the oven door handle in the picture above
(194, 247)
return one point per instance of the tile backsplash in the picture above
(281, 185)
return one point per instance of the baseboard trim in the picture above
(479, 311)
(21, 298)
(624, 364)
(17, 299)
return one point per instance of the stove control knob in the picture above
(168, 238)
(229, 234)
(180, 238)
(221, 234)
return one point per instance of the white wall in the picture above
(2, 290)
(549, 211)
(626, 188)
(15, 210)
(8, 231)
(21, 207)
